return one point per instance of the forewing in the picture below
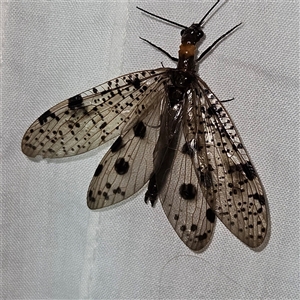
(89, 119)
(127, 166)
(178, 186)
(226, 175)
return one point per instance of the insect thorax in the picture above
(181, 82)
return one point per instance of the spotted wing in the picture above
(184, 203)
(93, 117)
(226, 175)
(177, 182)
(127, 166)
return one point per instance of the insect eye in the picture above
(200, 34)
(182, 32)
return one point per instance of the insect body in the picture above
(173, 133)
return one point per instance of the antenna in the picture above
(200, 23)
(161, 18)
(217, 41)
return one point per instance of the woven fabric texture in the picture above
(53, 246)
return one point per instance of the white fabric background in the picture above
(53, 246)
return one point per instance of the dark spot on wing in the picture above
(98, 170)
(249, 170)
(75, 102)
(211, 110)
(183, 228)
(90, 196)
(194, 227)
(187, 191)
(121, 166)
(117, 190)
(260, 198)
(117, 145)
(259, 210)
(202, 237)
(139, 130)
(136, 82)
(210, 215)
(43, 118)
(103, 125)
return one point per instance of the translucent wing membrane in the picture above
(202, 170)
(179, 188)
(172, 132)
(226, 175)
(93, 117)
(127, 166)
